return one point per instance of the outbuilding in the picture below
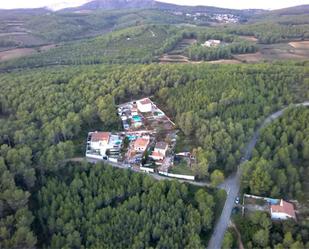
(144, 105)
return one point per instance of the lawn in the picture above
(182, 168)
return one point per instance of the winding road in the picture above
(232, 184)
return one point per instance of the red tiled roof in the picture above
(141, 142)
(100, 136)
(284, 207)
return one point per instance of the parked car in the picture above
(237, 200)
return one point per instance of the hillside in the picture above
(93, 97)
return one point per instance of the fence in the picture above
(147, 170)
(186, 177)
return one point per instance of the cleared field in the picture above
(47, 47)
(167, 58)
(298, 50)
(256, 57)
(177, 54)
(249, 38)
(12, 33)
(16, 53)
(225, 62)
(300, 44)
(21, 52)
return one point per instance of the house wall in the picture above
(148, 170)
(94, 156)
(157, 157)
(144, 108)
(280, 216)
(163, 152)
(186, 177)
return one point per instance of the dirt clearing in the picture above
(300, 44)
(21, 52)
(224, 62)
(249, 38)
(255, 57)
(16, 53)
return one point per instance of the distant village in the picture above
(219, 18)
(146, 143)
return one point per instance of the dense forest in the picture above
(98, 59)
(218, 112)
(45, 115)
(258, 231)
(279, 164)
(100, 206)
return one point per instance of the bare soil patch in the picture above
(255, 57)
(225, 62)
(47, 47)
(166, 58)
(12, 33)
(300, 44)
(21, 52)
(249, 38)
(16, 53)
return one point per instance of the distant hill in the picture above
(296, 10)
(4, 13)
(286, 16)
(116, 4)
(126, 4)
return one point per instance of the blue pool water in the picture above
(137, 118)
(131, 137)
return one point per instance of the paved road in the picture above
(232, 184)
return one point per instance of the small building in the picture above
(99, 139)
(144, 105)
(161, 148)
(157, 156)
(141, 144)
(103, 142)
(283, 211)
(211, 43)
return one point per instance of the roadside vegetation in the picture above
(258, 231)
(278, 168)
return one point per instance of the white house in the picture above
(103, 141)
(157, 156)
(211, 43)
(144, 105)
(283, 211)
(161, 147)
(99, 140)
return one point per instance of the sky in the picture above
(234, 4)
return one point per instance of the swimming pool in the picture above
(131, 137)
(137, 118)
